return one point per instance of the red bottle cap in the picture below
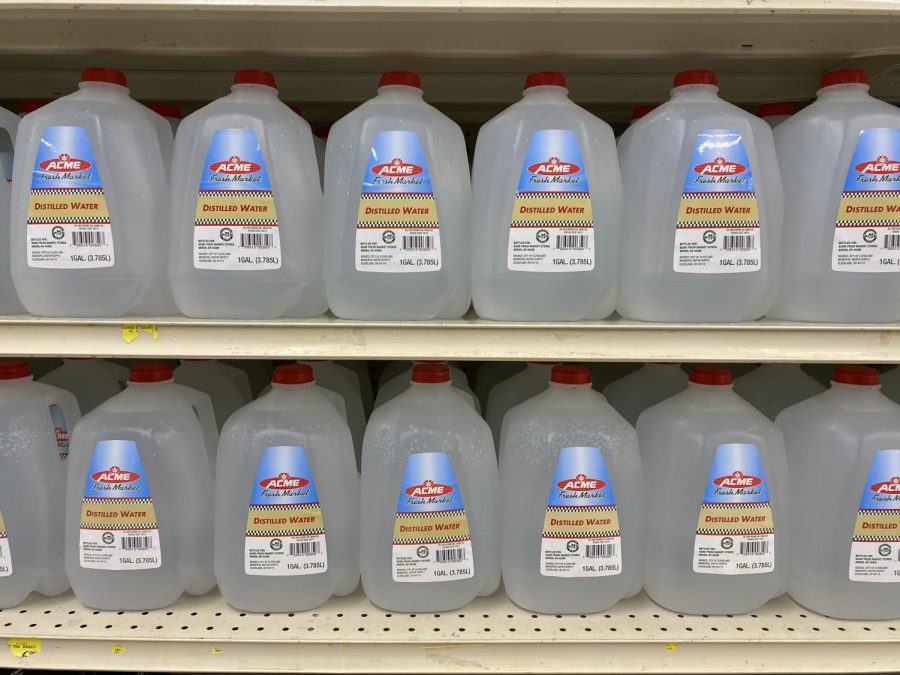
(686, 77)
(568, 374)
(865, 376)
(165, 109)
(772, 109)
(109, 75)
(253, 76)
(545, 78)
(400, 77)
(14, 370)
(641, 111)
(431, 373)
(150, 372)
(31, 104)
(847, 76)
(715, 375)
(293, 373)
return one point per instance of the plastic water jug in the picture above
(344, 382)
(9, 123)
(547, 210)
(364, 381)
(570, 500)
(139, 502)
(34, 443)
(492, 373)
(775, 386)
(170, 113)
(718, 513)
(400, 383)
(840, 159)
(774, 114)
(92, 381)
(637, 391)
(514, 390)
(397, 230)
(90, 205)
(703, 207)
(429, 526)
(246, 239)
(287, 500)
(844, 452)
(890, 384)
(228, 387)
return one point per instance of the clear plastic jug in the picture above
(429, 530)
(775, 386)
(9, 123)
(547, 210)
(92, 381)
(718, 511)
(775, 114)
(514, 390)
(287, 500)
(228, 387)
(400, 383)
(139, 498)
(570, 500)
(397, 230)
(246, 240)
(637, 391)
(343, 381)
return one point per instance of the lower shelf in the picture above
(350, 635)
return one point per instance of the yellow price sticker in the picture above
(132, 331)
(22, 647)
(117, 648)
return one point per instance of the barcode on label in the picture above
(571, 242)
(738, 242)
(304, 548)
(142, 543)
(88, 238)
(450, 555)
(600, 550)
(256, 240)
(891, 242)
(417, 242)
(754, 547)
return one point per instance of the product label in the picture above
(68, 218)
(397, 223)
(285, 530)
(235, 225)
(735, 530)
(431, 531)
(552, 223)
(718, 219)
(867, 228)
(118, 521)
(875, 548)
(5, 555)
(581, 527)
(60, 431)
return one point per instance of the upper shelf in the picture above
(472, 53)
(464, 339)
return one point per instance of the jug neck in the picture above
(695, 92)
(855, 91)
(399, 92)
(857, 390)
(571, 390)
(104, 89)
(711, 389)
(146, 386)
(17, 381)
(293, 388)
(253, 92)
(545, 94)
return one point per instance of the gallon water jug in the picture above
(246, 240)
(170, 113)
(34, 442)
(547, 210)
(92, 381)
(844, 452)
(774, 114)
(90, 205)
(570, 500)
(287, 500)
(429, 530)
(364, 382)
(840, 159)
(775, 386)
(400, 383)
(397, 230)
(890, 384)
(511, 392)
(703, 204)
(344, 382)
(718, 513)
(393, 368)
(652, 384)
(9, 123)
(228, 387)
(491, 373)
(139, 501)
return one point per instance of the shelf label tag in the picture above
(22, 647)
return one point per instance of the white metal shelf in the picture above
(489, 635)
(463, 339)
